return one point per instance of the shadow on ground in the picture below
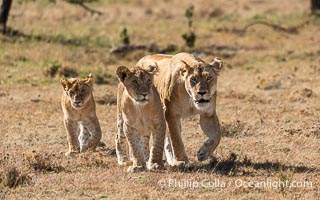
(232, 166)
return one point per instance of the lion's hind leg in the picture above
(168, 151)
(90, 135)
(121, 149)
(95, 133)
(84, 138)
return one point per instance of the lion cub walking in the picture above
(79, 111)
(139, 113)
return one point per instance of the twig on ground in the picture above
(84, 6)
(276, 27)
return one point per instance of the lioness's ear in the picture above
(217, 64)
(184, 69)
(122, 73)
(89, 79)
(153, 69)
(65, 83)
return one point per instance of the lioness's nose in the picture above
(77, 102)
(144, 90)
(202, 92)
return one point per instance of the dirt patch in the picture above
(44, 163)
(301, 95)
(233, 129)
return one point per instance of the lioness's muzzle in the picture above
(202, 101)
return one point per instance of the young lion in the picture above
(139, 112)
(79, 111)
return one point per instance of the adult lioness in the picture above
(188, 86)
(79, 111)
(139, 113)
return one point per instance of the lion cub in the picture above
(139, 115)
(79, 109)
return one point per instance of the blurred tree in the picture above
(189, 37)
(315, 6)
(4, 13)
(124, 37)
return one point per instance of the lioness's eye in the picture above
(209, 78)
(193, 80)
(135, 81)
(71, 93)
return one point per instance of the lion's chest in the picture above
(184, 106)
(138, 121)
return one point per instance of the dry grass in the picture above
(268, 100)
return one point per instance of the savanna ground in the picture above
(268, 99)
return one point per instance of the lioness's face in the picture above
(138, 83)
(201, 82)
(78, 90)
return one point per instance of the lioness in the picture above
(139, 112)
(188, 86)
(79, 111)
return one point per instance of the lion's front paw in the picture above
(123, 160)
(155, 166)
(125, 163)
(71, 154)
(83, 149)
(179, 163)
(181, 166)
(203, 154)
(134, 169)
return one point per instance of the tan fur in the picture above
(187, 86)
(80, 120)
(139, 116)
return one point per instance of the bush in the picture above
(189, 37)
